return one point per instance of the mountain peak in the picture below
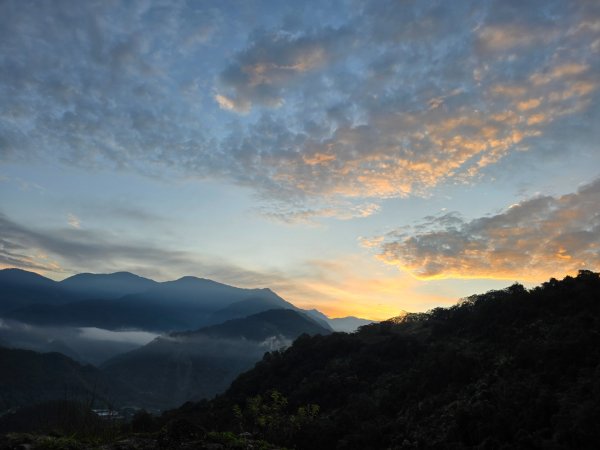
(193, 279)
(192, 282)
(15, 275)
(107, 285)
(114, 275)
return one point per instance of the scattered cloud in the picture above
(272, 63)
(531, 239)
(498, 38)
(239, 106)
(73, 221)
(382, 100)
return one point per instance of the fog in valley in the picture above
(87, 344)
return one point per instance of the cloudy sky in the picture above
(359, 157)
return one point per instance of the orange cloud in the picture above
(533, 239)
(537, 119)
(509, 90)
(318, 158)
(528, 104)
(396, 155)
(506, 37)
(558, 72)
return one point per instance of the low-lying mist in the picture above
(88, 345)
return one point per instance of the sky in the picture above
(360, 157)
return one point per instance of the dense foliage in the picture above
(513, 368)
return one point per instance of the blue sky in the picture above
(359, 157)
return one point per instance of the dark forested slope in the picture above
(513, 368)
(27, 378)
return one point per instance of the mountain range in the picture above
(167, 342)
(126, 301)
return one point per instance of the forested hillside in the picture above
(513, 368)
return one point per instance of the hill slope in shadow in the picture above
(199, 364)
(513, 368)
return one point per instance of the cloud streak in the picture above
(74, 250)
(529, 240)
(344, 211)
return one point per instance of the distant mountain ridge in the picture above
(123, 300)
(348, 324)
(126, 301)
(284, 323)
